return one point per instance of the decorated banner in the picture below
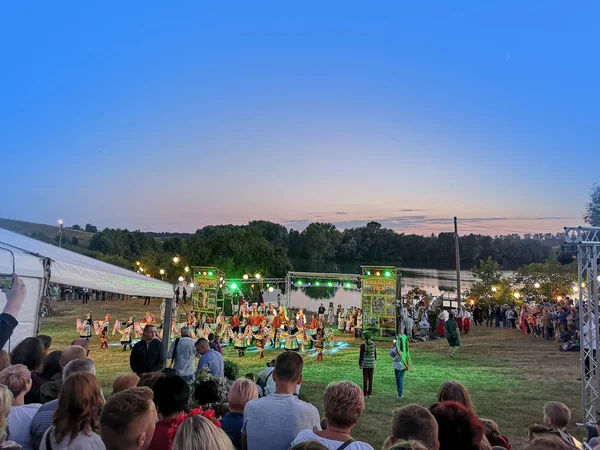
(206, 287)
(379, 300)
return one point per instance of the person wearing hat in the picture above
(367, 359)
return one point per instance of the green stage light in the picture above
(233, 286)
(388, 273)
(317, 283)
(210, 274)
(348, 285)
(330, 284)
(268, 285)
(299, 282)
(368, 273)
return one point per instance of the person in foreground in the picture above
(366, 361)
(6, 399)
(344, 403)
(128, 420)
(15, 297)
(199, 433)
(210, 358)
(458, 428)
(77, 418)
(556, 418)
(242, 391)
(414, 423)
(275, 420)
(148, 355)
(171, 397)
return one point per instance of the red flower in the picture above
(209, 414)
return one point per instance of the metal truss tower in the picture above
(587, 242)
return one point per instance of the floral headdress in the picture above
(209, 414)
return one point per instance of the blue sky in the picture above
(160, 117)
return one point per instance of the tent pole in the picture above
(167, 325)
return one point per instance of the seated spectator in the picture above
(595, 441)
(556, 418)
(82, 342)
(128, 419)
(46, 342)
(43, 418)
(211, 394)
(77, 418)
(123, 382)
(17, 379)
(455, 392)
(414, 423)
(213, 344)
(252, 377)
(458, 427)
(199, 433)
(30, 353)
(492, 433)
(50, 389)
(4, 360)
(274, 421)
(209, 358)
(51, 365)
(309, 445)
(344, 403)
(242, 391)
(171, 397)
(149, 379)
(264, 374)
(6, 400)
(549, 443)
(408, 445)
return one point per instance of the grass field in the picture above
(509, 375)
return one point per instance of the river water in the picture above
(433, 281)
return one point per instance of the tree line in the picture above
(272, 249)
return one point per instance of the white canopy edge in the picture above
(78, 270)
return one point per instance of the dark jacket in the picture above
(147, 357)
(50, 389)
(7, 324)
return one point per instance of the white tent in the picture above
(38, 263)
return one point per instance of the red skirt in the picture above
(459, 322)
(467, 324)
(441, 331)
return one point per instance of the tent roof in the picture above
(73, 269)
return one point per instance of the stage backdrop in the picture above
(379, 300)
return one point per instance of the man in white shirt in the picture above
(274, 421)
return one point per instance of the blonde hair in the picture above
(15, 378)
(6, 400)
(344, 403)
(241, 392)
(199, 433)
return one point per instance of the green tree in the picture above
(492, 286)
(76, 227)
(551, 278)
(91, 228)
(592, 210)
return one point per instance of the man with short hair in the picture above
(128, 420)
(210, 358)
(274, 421)
(43, 418)
(171, 397)
(148, 355)
(414, 422)
(50, 389)
(183, 355)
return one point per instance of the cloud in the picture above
(340, 213)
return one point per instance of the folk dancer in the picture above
(263, 337)
(239, 343)
(443, 317)
(331, 317)
(350, 320)
(341, 320)
(319, 340)
(359, 325)
(452, 335)
(126, 329)
(466, 321)
(458, 317)
(101, 328)
(84, 327)
(291, 340)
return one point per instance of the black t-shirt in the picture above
(321, 310)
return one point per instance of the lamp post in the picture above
(60, 232)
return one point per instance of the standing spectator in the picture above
(321, 312)
(184, 297)
(548, 324)
(128, 420)
(18, 380)
(14, 302)
(275, 420)
(6, 399)
(213, 344)
(77, 418)
(414, 422)
(42, 420)
(199, 433)
(242, 391)
(489, 313)
(452, 335)
(498, 315)
(30, 353)
(366, 361)
(51, 365)
(123, 382)
(46, 342)
(171, 397)
(344, 403)
(183, 355)
(210, 358)
(147, 300)
(458, 427)
(177, 295)
(50, 389)
(148, 355)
